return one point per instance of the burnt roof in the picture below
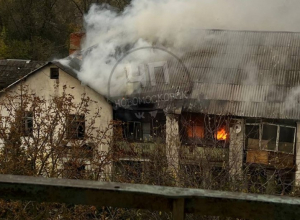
(254, 74)
(242, 73)
(67, 68)
(13, 70)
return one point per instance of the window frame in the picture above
(137, 136)
(260, 125)
(27, 131)
(210, 130)
(70, 134)
(157, 131)
(193, 126)
(54, 73)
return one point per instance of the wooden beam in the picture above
(169, 199)
(178, 209)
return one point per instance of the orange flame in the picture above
(222, 135)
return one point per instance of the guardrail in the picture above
(177, 200)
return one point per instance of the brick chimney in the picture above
(75, 41)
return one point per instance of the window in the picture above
(146, 131)
(140, 126)
(252, 132)
(286, 139)
(75, 126)
(158, 129)
(133, 130)
(27, 126)
(195, 130)
(54, 73)
(270, 137)
(204, 129)
(221, 133)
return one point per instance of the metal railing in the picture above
(179, 201)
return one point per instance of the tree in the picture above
(58, 137)
(40, 30)
(3, 46)
(51, 138)
(37, 30)
(83, 6)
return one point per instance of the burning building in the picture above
(230, 104)
(239, 108)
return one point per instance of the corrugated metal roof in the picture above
(243, 73)
(253, 74)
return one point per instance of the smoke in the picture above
(173, 24)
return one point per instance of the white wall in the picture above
(41, 84)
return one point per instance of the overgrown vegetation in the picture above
(59, 137)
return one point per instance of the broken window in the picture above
(252, 132)
(286, 139)
(204, 129)
(150, 127)
(146, 131)
(75, 126)
(133, 130)
(217, 129)
(195, 130)
(270, 137)
(222, 133)
(158, 129)
(27, 126)
(54, 73)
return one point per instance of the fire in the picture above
(222, 134)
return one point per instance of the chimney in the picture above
(75, 41)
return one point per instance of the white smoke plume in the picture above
(175, 24)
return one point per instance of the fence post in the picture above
(178, 209)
